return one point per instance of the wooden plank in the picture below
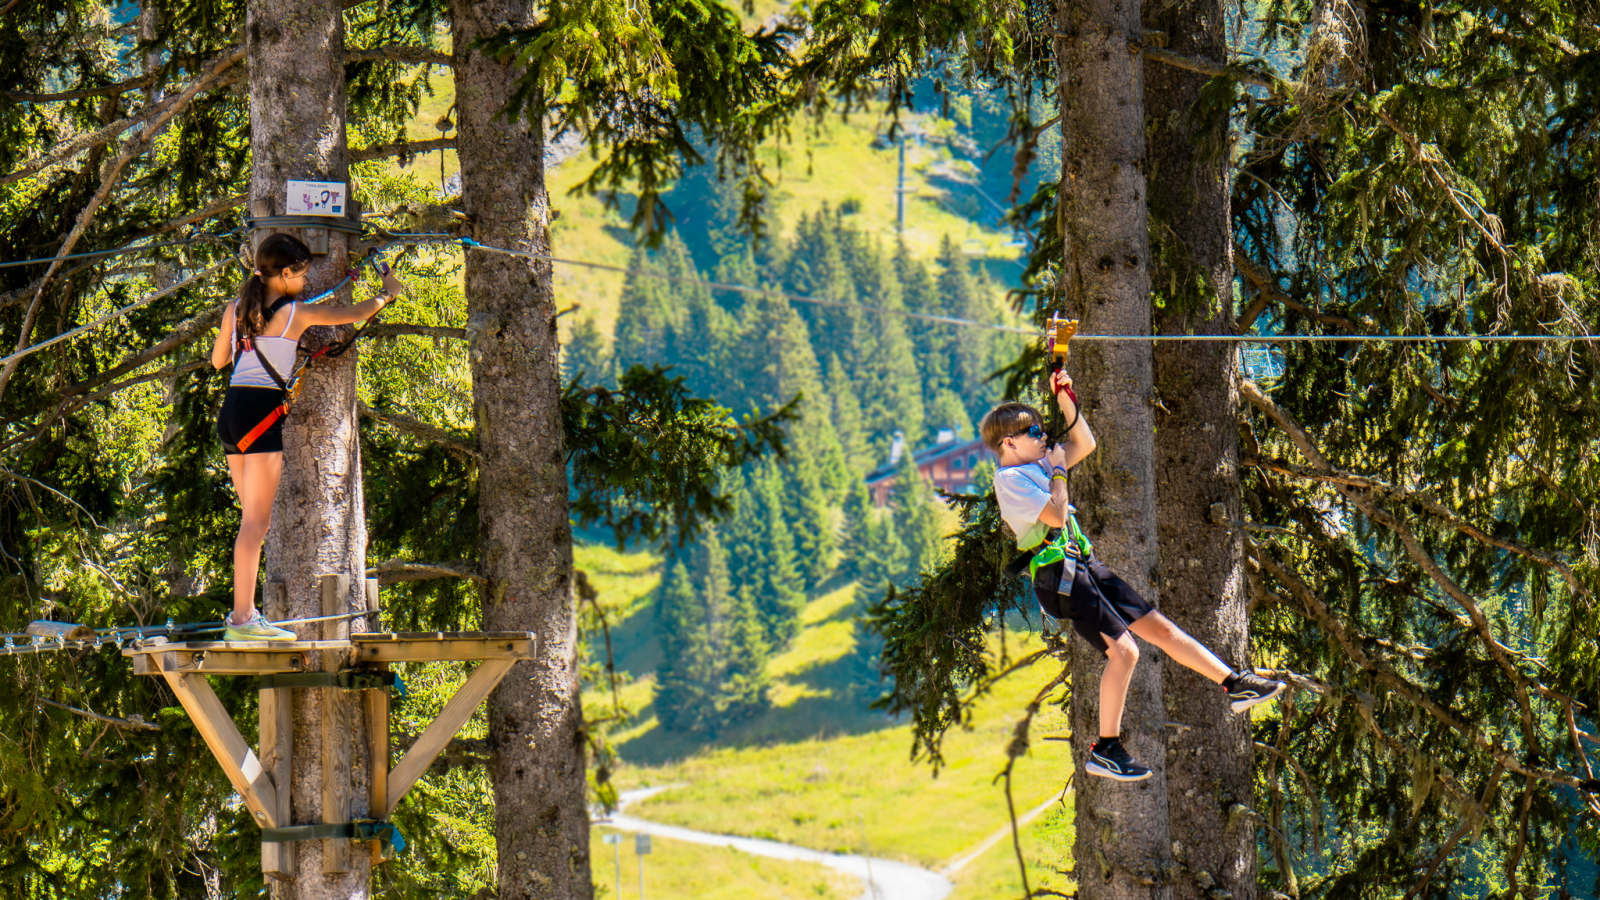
(275, 600)
(438, 734)
(373, 601)
(228, 662)
(377, 758)
(238, 762)
(419, 650)
(240, 647)
(277, 747)
(336, 726)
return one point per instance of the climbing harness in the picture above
(1069, 545)
(291, 385)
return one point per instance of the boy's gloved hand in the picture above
(1061, 383)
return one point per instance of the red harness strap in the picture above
(279, 412)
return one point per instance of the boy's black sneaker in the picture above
(1250, 689)
(1114, 762)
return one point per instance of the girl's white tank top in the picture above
(280, 351)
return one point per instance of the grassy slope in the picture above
(819, 769)
(678, 870)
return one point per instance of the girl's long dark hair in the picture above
(276, 253)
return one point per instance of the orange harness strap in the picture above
(259, 430)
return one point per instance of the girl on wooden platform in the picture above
(260, 335)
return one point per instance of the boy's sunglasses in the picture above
(1033, 431)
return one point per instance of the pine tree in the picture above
(917, 520)
(847, 420)
(931, 345)
(781, 580)
(648, 318)
(700, 329)
(973, 352)
(587, 355)
(713, 669)
(889, 370)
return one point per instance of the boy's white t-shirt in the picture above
(1023, 492)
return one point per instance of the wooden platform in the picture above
(263, 782)
(268, 657)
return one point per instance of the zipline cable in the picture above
(471, 244)
(127, 248)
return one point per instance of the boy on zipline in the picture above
(260, 335)
(1071, 583)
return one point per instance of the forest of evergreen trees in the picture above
(729, 601)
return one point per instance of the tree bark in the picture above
(535, 719)
(297, 131)
(1121, 848)
(1210, 765)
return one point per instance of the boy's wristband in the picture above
(1062, 470)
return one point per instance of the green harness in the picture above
(1070, 544)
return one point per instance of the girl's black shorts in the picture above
(1098, 601)
(243, 408)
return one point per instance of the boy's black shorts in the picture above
(1098, 600)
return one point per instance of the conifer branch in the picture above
(134, 722)
(421, 429)
(395, 329)
(163, 109)
(395, 571)
(401, 148)
(1429, 165)
(1366, 502)
(1267, 291)
(109, 180)
(184, 333)
(1203, 66)
(1351, 645)
(1429, 505)
(1468, 825)
(121, 87)
(415, 55)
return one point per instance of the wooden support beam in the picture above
(232, 662)
(377, 703)
(277, 736)
(377, 710)
(372, 603)
(238, 762)
(454, 715)
(336, 726)
(435, 647)
(277, 747)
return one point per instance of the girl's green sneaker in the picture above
(256, 628)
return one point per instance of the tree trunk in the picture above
(535, 720)
(297, 131)
(1210, 766)
(1122, 850)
